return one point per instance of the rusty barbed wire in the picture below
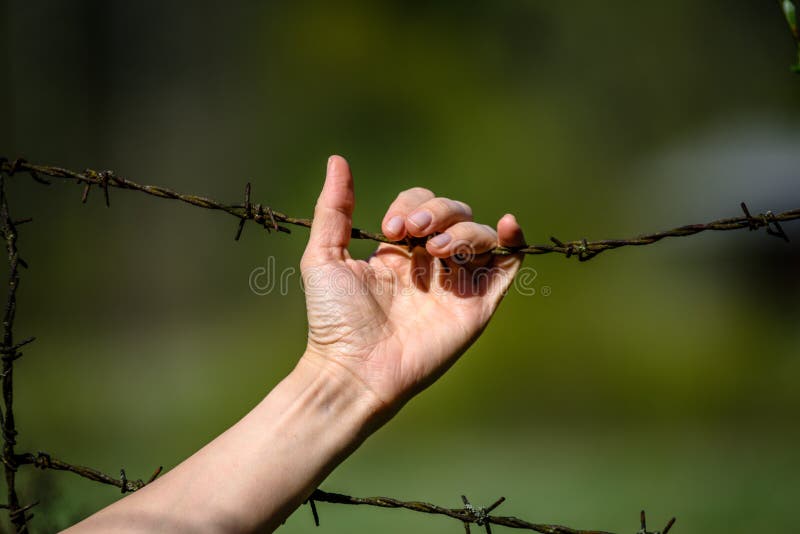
(42, 460)
(270, 218)
(10, 352)
(468, 515)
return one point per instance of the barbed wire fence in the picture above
(274, 220)
(20, 514)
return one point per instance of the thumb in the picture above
(333, 216)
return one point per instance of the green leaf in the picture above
(790, 12)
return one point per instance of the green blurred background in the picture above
(661, 378)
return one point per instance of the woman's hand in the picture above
(395, 323)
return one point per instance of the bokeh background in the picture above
(662, 378)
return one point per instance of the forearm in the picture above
(255, 474)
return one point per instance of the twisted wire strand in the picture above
(467, 515)
(271, 219)
(16, 512)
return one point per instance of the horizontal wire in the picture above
(272, 219)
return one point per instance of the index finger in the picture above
(394, 222)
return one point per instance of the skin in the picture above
(379, 332)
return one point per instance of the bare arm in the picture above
(380, 331)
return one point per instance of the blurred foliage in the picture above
(662, 378)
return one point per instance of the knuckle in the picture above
(478, 234)
(460, 231)
(441, 205)
(305, 262)
(417, 192)
(464, 207)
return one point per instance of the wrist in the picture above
(332, 380)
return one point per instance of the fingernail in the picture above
(395, 225)
(421, 219)
(330, 162)
(440, 240)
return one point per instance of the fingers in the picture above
(436, 215)
(465, 239)
(333, 216)
(394, 222)
(472, 238)
(418, 213)
(509, 232)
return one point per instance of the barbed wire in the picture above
(18, 515)
(468, 515)
(268, 218)
(274, 220)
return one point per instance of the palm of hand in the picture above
(396, 322)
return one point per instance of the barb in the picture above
(644, 530)
(269, 218)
